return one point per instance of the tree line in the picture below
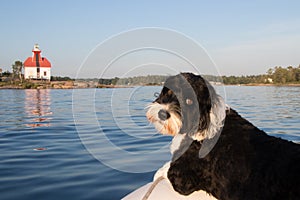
(285, 75)
(136, 80)
(276, 75)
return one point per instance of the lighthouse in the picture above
(37, 67)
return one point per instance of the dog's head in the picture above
(187, 104)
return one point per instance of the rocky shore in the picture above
(55, 85)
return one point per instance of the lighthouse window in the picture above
(45, 73)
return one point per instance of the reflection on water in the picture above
(37, 107)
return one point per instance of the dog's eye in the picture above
(170, 92)
(189, 101)
(156, 94)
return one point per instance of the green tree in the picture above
(17, 70)
(115, 81)
(280, 75)
(297, 74)
(290, 74)
(270, 72)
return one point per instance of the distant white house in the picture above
(269, 80)
(37, 67)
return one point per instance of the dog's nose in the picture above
(163, 114)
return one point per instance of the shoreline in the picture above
(90, 84)
(274, 85)
(57, 85)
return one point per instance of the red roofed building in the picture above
(37, 67)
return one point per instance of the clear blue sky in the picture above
(242, 37)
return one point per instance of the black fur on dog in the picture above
(245, 162)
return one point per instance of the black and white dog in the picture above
(216, 150)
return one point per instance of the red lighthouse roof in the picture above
(37, 60)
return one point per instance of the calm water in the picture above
(97, 144)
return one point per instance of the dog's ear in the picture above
(217, 117)
(212, 133)
(212, 108)
(211, 121)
